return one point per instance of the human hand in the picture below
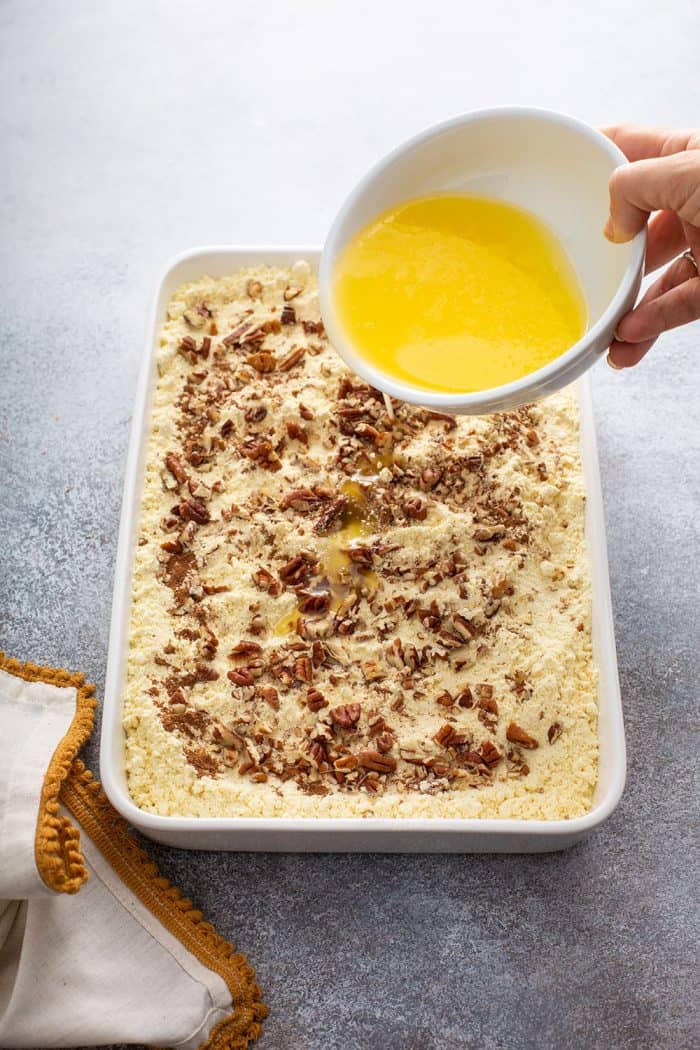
(664, 177)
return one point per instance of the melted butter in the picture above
(458, 294)
(338, 573)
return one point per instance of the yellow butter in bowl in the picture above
(457, 293)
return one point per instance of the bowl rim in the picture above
(538, 381)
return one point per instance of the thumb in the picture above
(662, 183)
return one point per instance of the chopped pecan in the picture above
(443, 417)
(288, 315)
(313, 327)
(245, 649)
(253, 414)
(489, 533)
(488, 704)
(297, 433)
(193, 510)
(531, 438)
(362, 556)
(176, 468)
(305, 412)
(270, 695)
(303, 669)
(430, 477)
(445, 698)
(331, 518)
(240, 676)
(554, 732)
(372, 671)
(315, 700)
(346, 764)
(517, 735)
(315, 604)
(376, 761)
(267, 582)
(490, 754)
(384, 742)
(444, 735)
(260, 451)
(297, 569)
(415, 509)
(366, 432)
(346, 715)
(262, 361)
(464, 697)
(254, 289)
(291, 292)
(291, 359)
(302, 500)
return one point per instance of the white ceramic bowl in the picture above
(550, 164)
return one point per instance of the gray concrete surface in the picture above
(133, 130)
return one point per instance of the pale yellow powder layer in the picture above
(532, 655)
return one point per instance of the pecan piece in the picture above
(372, 671)
(315, 700)
(260, 451)
(346, 715)
(444, 418)
(297, 433)
(346, 764)
(384, 742)
(489, 533)
(291, 359)
(267, 582)
(331, 519)
(253, 414)
(465, 698)
(245, 649)
(554, 732)
(193, 510)
(415, 509)
(376, 761)
(444, 735)
(254, 289)
(490, 754)
(430, 477)
(240, 676)
(297, 569)
(262, 361)
(315, 604)
(270, 694)
(288, 315)
(303, 669)
(302, 500)
(445, 699)
(176, 468)
(517, 735)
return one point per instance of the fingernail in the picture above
(609, 230)
(616, 368)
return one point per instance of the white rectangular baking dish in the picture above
(356, 834)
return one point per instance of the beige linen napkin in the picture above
(127, 960)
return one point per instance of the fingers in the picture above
(673, 300)
(626, 355)
(680, 305)
(666, 239)
(665, 183)
(638, 143)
